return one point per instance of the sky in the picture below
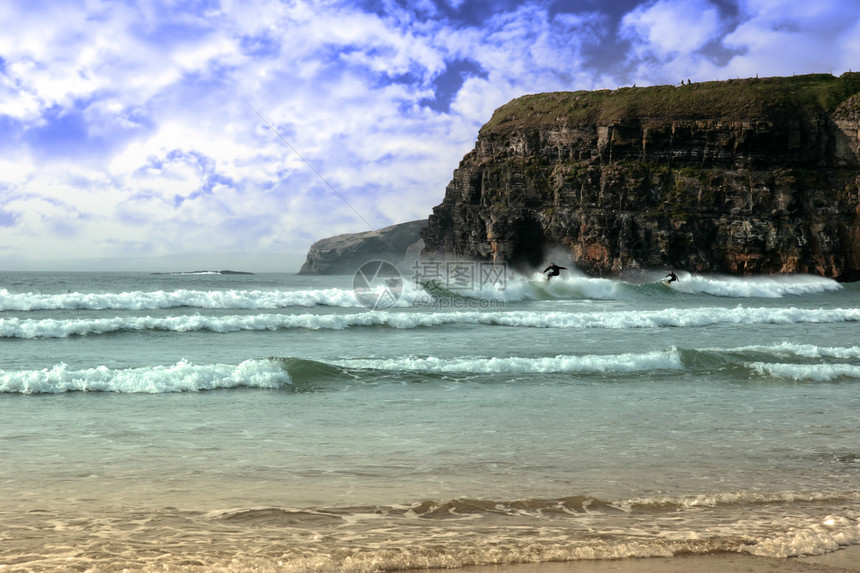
(218, 132)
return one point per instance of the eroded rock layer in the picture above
(742, 177)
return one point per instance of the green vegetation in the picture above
(737, 99)
(538, 175)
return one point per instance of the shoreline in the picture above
(844, 560)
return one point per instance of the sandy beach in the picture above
(843, 561)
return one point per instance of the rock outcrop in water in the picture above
(343, 254)
(741, 177)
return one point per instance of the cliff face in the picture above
(744, 176)
(343, 254)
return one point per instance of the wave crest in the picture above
(575, 286)
(180, 377)
(156, 300)
(670, 317)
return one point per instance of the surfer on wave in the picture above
(553, 269)
(671, 276)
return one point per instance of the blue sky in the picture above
(132, 130)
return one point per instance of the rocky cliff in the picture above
(742, 176)
(343, 254)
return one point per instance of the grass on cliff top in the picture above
(736, 99)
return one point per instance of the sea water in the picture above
(275, 422)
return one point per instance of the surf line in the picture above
(323, 179)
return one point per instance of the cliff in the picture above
(742, 176)
(343, 254)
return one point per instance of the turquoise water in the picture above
(273, 422)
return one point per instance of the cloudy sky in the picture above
(139, 129)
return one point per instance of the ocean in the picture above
(210, 421)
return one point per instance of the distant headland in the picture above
(343, 254)
(224, 272)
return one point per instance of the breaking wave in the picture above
(670, 317)
(807, 372)
(587, 364)
(140, 300)
(812, 364)
(576, 286)
(756, 361)
(516, 288)
(180, 377)
(756, 287)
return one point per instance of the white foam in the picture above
(180, 377)
(572, 284)
(815, 537)
(537, 287)
(803, 350)
(670, 317)
(649, 361)
(755, 287)
(790, 535)
(143, 300)
(698, 317)
(740, 498)
(813, 372)
(514, 288)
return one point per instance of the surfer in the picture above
(671, 276)
(553, 269)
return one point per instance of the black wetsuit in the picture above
(672, 277)
(554, 270)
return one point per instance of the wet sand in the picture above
(843, 561)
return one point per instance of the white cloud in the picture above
(789, 36)
(170, 155)
(673, 40)
(670, 27)
(15, 171)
